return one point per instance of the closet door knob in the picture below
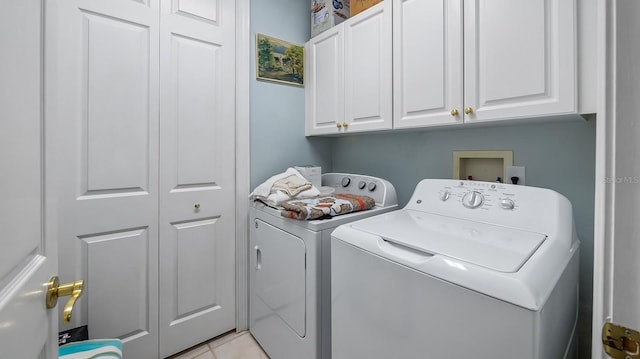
(345, 125)
(454, 112)
(338, 125)
(468, 110)
(196, 206)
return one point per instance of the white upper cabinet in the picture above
(368, 69)
(519, 58)
(324, 88)
(427, 69)
(450, 62)
(470, 61)
(349, 75)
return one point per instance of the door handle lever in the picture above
(56, 290)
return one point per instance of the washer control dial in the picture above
(362, 184)
(346, 181)
(473, 199)
(445, 195)
(372, 186)
(507, 203)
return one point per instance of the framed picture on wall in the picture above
(279, 61)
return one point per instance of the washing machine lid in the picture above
(495, 247)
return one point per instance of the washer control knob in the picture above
(444, 195)
(362, 184)
(507, 203)
(346, 181)
(473, 199)
(372, 186)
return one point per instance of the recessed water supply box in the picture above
(481, 165)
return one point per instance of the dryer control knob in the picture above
(362, 184)
(507, 203)
(445, 195)
(346, 181)
(372, 186)
(473, 199)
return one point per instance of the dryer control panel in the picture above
(381, 190)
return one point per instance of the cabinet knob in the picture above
(338, 125)
(196, 205)
(454, 112)
(345, 125)
(468, 110)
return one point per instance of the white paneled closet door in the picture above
(104, 65)
(197, 171)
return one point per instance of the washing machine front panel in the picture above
(280, 278)
(382, 310)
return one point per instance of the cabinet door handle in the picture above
(454, 112)
(339, 125)
(345, 125)
(468, 110)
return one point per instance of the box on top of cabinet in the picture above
(327, 13)
(359, 6)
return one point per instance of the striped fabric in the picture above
(89, 349)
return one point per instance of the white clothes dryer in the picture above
(290, 288)
(465, 270)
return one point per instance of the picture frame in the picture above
(279, 61)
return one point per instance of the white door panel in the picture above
(197, 172)
(123, 282)
(106, 66)
(616, 293)
(28, 257)
(204, 9)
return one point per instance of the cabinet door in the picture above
(519, 58)
(324, 93)
(427, 67)
(368, 69)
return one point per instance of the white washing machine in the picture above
(465, 270)
(289, 300)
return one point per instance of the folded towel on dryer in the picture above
(282, 187)
(291, 186)
(325, 206)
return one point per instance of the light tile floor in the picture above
(227, 346)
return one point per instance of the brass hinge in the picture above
(620, 342)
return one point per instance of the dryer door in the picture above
(278, 290)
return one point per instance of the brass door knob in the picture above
(454, 112)
(56, 290)
(345, 125)
(468, 110)
(338, 125)
(196, 206)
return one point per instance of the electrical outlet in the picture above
(515, 171)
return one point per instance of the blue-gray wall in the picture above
(277, 110)
(559, 154)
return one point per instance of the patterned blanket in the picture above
(325, 206)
